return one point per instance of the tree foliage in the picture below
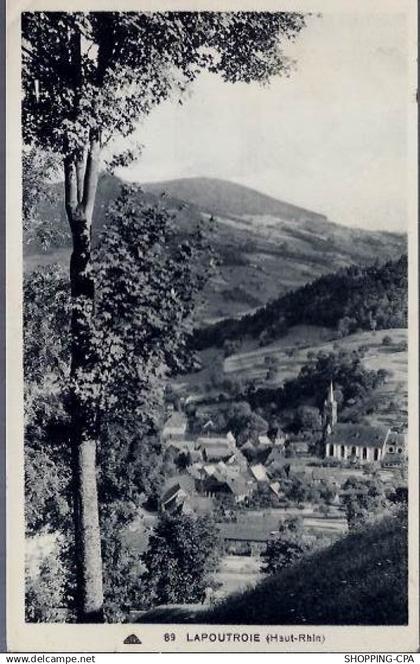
(351, 299)
(183, 551)
(364, 502)
(287, 548)
(39, 169)
(145, 295)
(46, 360)
(48, 596)
(146, 288)
(135, 352)
(102, 71)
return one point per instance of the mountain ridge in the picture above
(199, 190)
(261, 256)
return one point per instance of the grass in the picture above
(236, 573)
(360, 580)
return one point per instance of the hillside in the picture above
(351, 299)
(386, 406)
(251, 365)
(360, 580)
(366, 584)
(265, 247)
(219, 197)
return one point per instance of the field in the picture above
(291, 353)
(251, 364)
(236, 573)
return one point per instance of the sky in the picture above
(331, 138)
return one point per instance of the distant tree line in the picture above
(351, 299)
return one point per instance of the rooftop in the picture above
(217, 452)
(259, 472)
(246, 532)
(207, 441)
(177, 421)
(358, 435)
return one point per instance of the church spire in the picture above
(330, 409)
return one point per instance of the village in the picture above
(250, 488)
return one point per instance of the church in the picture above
(359, 442)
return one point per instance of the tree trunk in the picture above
(80, 191)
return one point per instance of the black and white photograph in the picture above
(217, 246)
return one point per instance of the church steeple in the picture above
(330, 409)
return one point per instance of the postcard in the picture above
(212, 326)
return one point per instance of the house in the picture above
(196, 471)
(250, 451)
(247, 538)
(276, 456)
(275, 487)
(176, 449)
(195, 456)
(209, 469)
(231, 439)
(395, 454)
(263, 448)
(279, 439)
(173, 500)
(393, 460)
(257, 452)
(175, 427)
(298, 470)
(208, 427)
(175, 492)
(178, 446)
(324, 476)
(239, 488)
(223, 479)
(182, 480)
(215, 485)
(396, 443)
(201, 505)
(238, 460)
